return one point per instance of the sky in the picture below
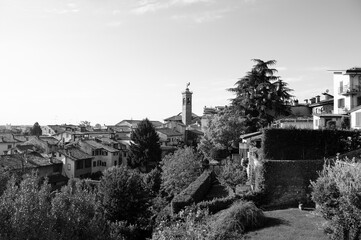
(103, 61)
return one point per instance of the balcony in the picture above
(347, 90)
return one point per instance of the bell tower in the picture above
(187, 106)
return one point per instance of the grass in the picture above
(290, 224)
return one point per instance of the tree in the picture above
(24, 210)
(124, 196)
(145, 150)
(232, 174)
(84, 124)
(75, 210)
(222, 133)
(260, 96)
(179, 170)
(36, 130)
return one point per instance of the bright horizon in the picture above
(103, 61)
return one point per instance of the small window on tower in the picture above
(188, 101)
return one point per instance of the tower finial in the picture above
(188, 84)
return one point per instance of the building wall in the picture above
(4, 147)
(337, 78)
(353, 121)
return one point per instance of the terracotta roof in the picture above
(135, 123)
(74, 153)
(96, 145)
(7, 138)
(50, 140)
(169, 132)
(30, 160)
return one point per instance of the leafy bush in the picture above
(232, 174)
(240, 217)
(194, 192)
(179, 170)
(338, 194)
(217, 204)
(190, 223)
(124, 197)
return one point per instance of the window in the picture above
(93, 153)
(88, 163)
(358, 119)
(99, 163)
(9, 146)
(104, 164)
(341, 103)
(358, 101)
(115, 163)
(94, 164)
(79, 164)
(69, 166)
(317, 122)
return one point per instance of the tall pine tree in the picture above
(145, 152)
(261, 96)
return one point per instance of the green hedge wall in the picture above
(307, 144)
(287, 182)
(194, 193)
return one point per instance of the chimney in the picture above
(295, 102)
(312, 100)
(306, 100)
(318, 97)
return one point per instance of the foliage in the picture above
(260, 96)
(195, 192)
(232, 174)
(75, 210)
(84, 124)
(145, 150)
(222, 132)
(234, 221)
(307, 144)
(153, 180)
(36, 130)
(217, 204)
(190, 223)
(125, 197)
(179, 170)
(24, 210)
(337, 193)
(4, 178)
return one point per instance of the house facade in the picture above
(347, 89)
(103, 156)
(76, 163)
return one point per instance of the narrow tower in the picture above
(187, 106)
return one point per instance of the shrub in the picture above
(338, 193)
(179, 170)
(240, 217)
(194, 192)
(217, 204)
(190, 223)
(232, 174)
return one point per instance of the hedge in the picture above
(307, 144)
(194, 193)
(286, 183)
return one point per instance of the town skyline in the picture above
(103, 62)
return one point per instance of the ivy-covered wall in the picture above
(287, 182)
(291, 158)
(307, 144)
